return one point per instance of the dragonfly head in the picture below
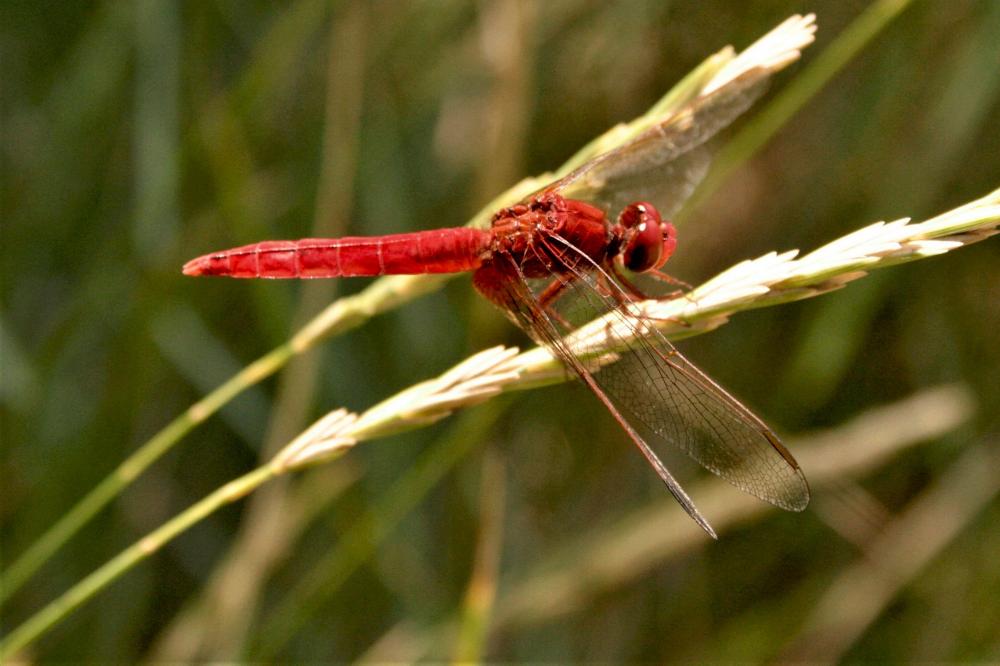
(648, 241)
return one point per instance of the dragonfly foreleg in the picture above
(639, 294)
(670, 279)
(631, 294)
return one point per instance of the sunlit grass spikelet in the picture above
(774, 51)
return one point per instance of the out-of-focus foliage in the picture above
(138, 135)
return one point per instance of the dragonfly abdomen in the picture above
(437, 251)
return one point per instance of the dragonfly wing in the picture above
(655, 387)
(661, 389)
(664, 164)
(521, 303)
(667, 187)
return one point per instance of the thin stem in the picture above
(57, 535)
(481, 592)
(128, 558)
(764, 125)
(368, 531)
(896, 556)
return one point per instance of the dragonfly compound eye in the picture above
(646, 237)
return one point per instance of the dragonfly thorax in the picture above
(551, 235)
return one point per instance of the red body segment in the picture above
(437, 251)
(523, 233)
(522, 241)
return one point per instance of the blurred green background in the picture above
(137, 135)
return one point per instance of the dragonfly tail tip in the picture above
(196, 267)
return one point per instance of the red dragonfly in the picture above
(556, 260)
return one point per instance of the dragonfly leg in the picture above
(635, 294)
(634, 291)
(553, 291)
(638, 293)
(548, 297)
(670, 279)
(685, 287)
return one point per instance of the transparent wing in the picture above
(517, 297)
(653, 386)
(665, 163)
